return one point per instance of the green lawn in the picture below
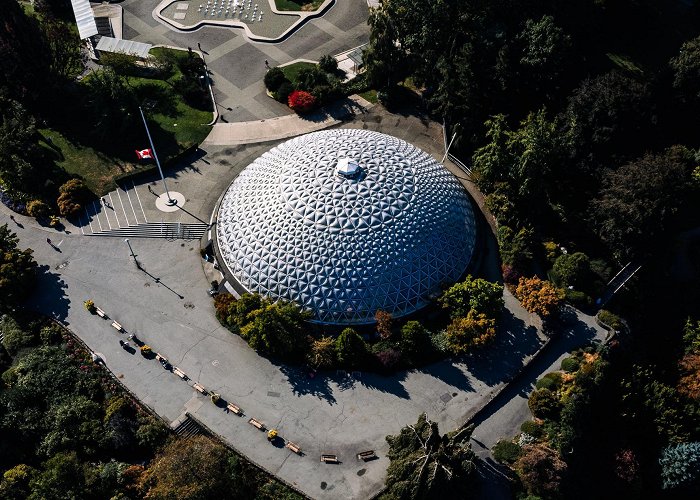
(370, 95)
(296, 6)
(292, 71)
(175, 126)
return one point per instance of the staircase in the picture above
(188, 428)
(121, 214)
(619, 281)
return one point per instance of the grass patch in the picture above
(297, 6)
(370, 95)
(292, 71)
(97, 169)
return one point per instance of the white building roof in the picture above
(290, 228)
(109, 44)
(84, 18)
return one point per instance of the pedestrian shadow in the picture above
(49, 296)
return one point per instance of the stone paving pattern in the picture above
(237, 65)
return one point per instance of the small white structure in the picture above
(347, 168)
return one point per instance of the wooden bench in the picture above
(100, 312)
(257, 424)
(179, 373)
(329, 459)
(161, 358)
(235, 409)
(294, 447)
(366, 456)
(117, 326)
(200, 388)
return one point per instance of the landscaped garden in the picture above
(298, 5)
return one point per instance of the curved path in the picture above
(334, 413)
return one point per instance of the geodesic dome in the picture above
(346, 222)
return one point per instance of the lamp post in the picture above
(131, 250)
(171, 201)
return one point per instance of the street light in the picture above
(132, 251)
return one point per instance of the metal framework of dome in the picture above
(387, 237)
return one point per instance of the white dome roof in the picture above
(387, 237)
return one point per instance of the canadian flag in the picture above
(144, 154)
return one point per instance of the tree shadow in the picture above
(390, 384)
(49, 295)
(304, 384)
(450, 372)
(514, 342)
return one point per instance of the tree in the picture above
(165, 479)
(384, 320)
(415, 341)
(38, 209)
(277, 330)
(66, 57)
(322, 354)
(274, 78)
(544, 403)
(113, 104)
(638, 201)
(121, 64)
(541, 470)
(572, 269)
(74, 424)
(15, 482)
(691, 336)
(689, 383)
(17, 269)
(475, 330)
(19, 151)
(544, 52)
(516, 247)
(426, 465)
(13, 337)
(350, 349)
(328, 64)
(475, 294)
(680, 466)
(63, 476)
(539, 296)
(686, 70)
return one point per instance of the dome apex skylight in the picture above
(386, 233)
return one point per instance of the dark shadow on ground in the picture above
(391, 384)
(514, 342)
(493, 480)
(49, 295)
(450, 373)
(570, 338)
(304, 384)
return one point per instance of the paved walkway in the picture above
(284, 127)
(167, 306)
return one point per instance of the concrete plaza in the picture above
(166, 305)
(237, 65)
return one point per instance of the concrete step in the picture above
(166, 230)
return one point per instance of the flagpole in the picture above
(171, 201)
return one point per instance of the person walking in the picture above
(150, 189)
(48, 240)
(267, 64)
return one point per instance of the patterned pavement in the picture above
(237, 65)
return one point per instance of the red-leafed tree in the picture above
(301, 101)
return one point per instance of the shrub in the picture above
(570, 364)
(577, 298)
(544, 403)
(610, 319)
(328, 64)
(473, 294)
(511, 276)
(415, 341)
(516, 247)
(282, 94)
(473, 331)
(551, 251)
(274, 78)
(384, 320)
(145, 349)
(121, 64)
(38, 209)
(572, 270)
(322, 353)
(13, 337)
(539, 296)
(506, 451)
(541, 470)
(389, 358)
(532, 428)
(50, 335)
(223, 305)
(301, 101)
(90, 306)
(350, 349)
(551, 381)
(72, 194)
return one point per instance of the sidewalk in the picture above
(283, 127)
